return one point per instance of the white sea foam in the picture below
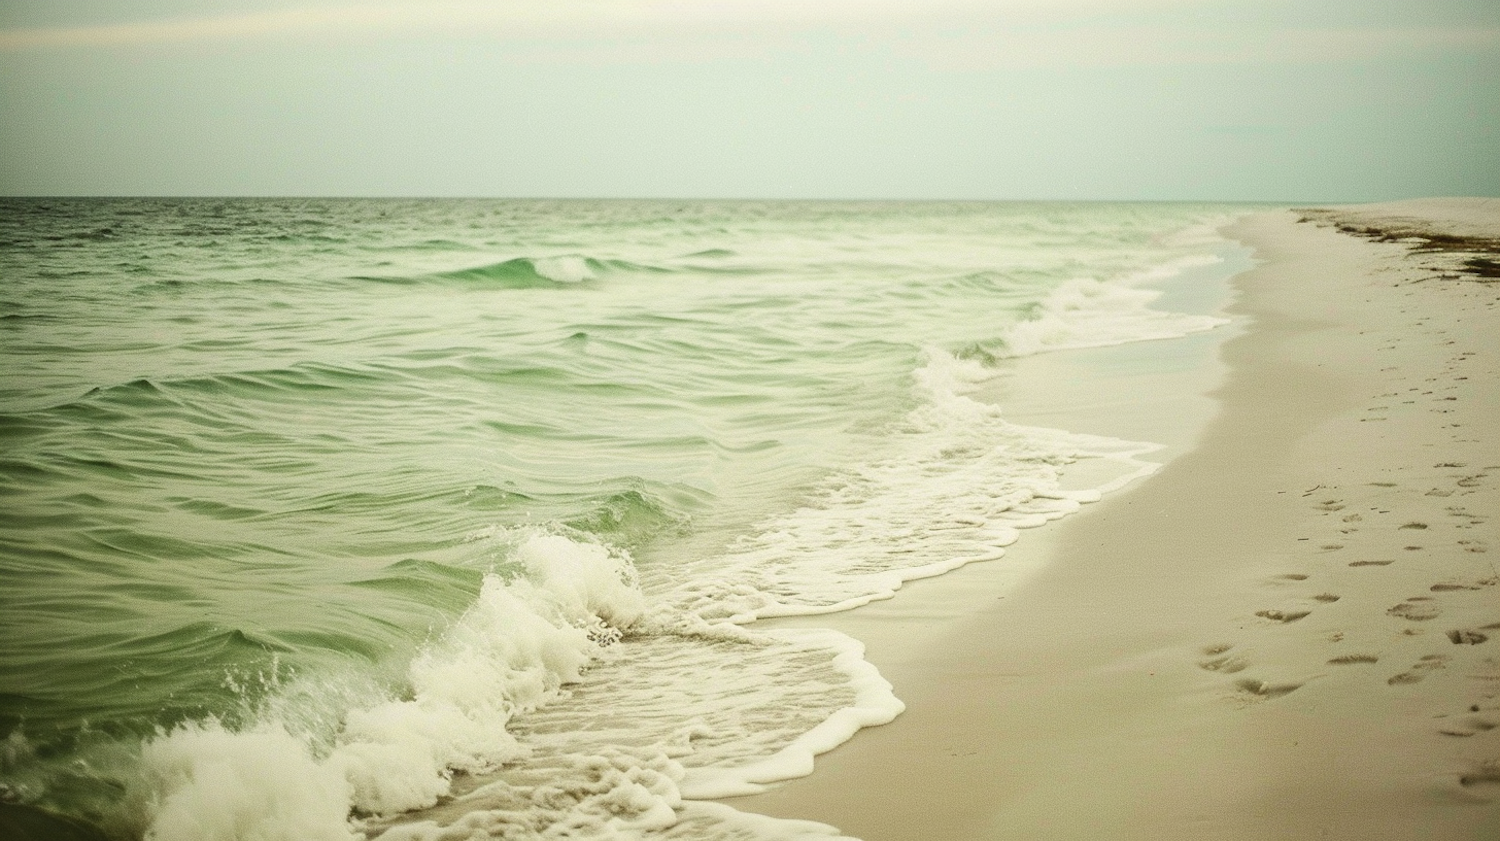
(666, 718)
(567, 268)
(1088, 313)
(204, 783)
(511, 652)
(1204, 233)
(953, 485)
(648, 732)
(1085, 312)
(873, 704)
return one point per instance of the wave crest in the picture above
(1085, 312)
(513, 651)
(560, 271)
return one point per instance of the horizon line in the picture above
(829, 199)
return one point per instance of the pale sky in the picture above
(1275, 100)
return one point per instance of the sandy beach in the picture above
(1292, 631)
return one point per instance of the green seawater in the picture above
(245, 442)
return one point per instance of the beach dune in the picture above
(1292, 631)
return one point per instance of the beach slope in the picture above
(1292, 631)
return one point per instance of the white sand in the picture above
(1291, 632)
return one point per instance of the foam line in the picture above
(875, 703)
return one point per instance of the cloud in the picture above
(557, 18)
(951, 34)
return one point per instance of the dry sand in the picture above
(1291, 632)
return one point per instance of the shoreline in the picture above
(1289, 631)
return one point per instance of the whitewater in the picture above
(452, 519)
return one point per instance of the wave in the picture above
(562, 698)
(12, 317)
(533, 272)
(648, 736)
(637, 514)
(957, 484)
(1085, 313)
(459, 674)
(525, 638)
(486, 736)
(99, 674)
(562, 271)
(150, 392)
(187, 285)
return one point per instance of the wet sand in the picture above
(1292, 631)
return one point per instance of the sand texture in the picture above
(1292, 631)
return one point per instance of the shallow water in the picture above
(361, 508)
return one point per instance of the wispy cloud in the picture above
(957, 34)
(556, 18)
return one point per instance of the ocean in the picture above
(450, 519)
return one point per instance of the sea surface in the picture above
(440, 519)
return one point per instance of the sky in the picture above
(1221, 100)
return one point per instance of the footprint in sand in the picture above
(1416, 609)
(1226, 665)
(1283, 616)
(1470, 726)
(1418, 672)
(1451, 586)
(1486, 773)
(1354, 659)
(1219, 661)
(1371, 563)
(1263, 689)
(1292, 615)
(1467, 637)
